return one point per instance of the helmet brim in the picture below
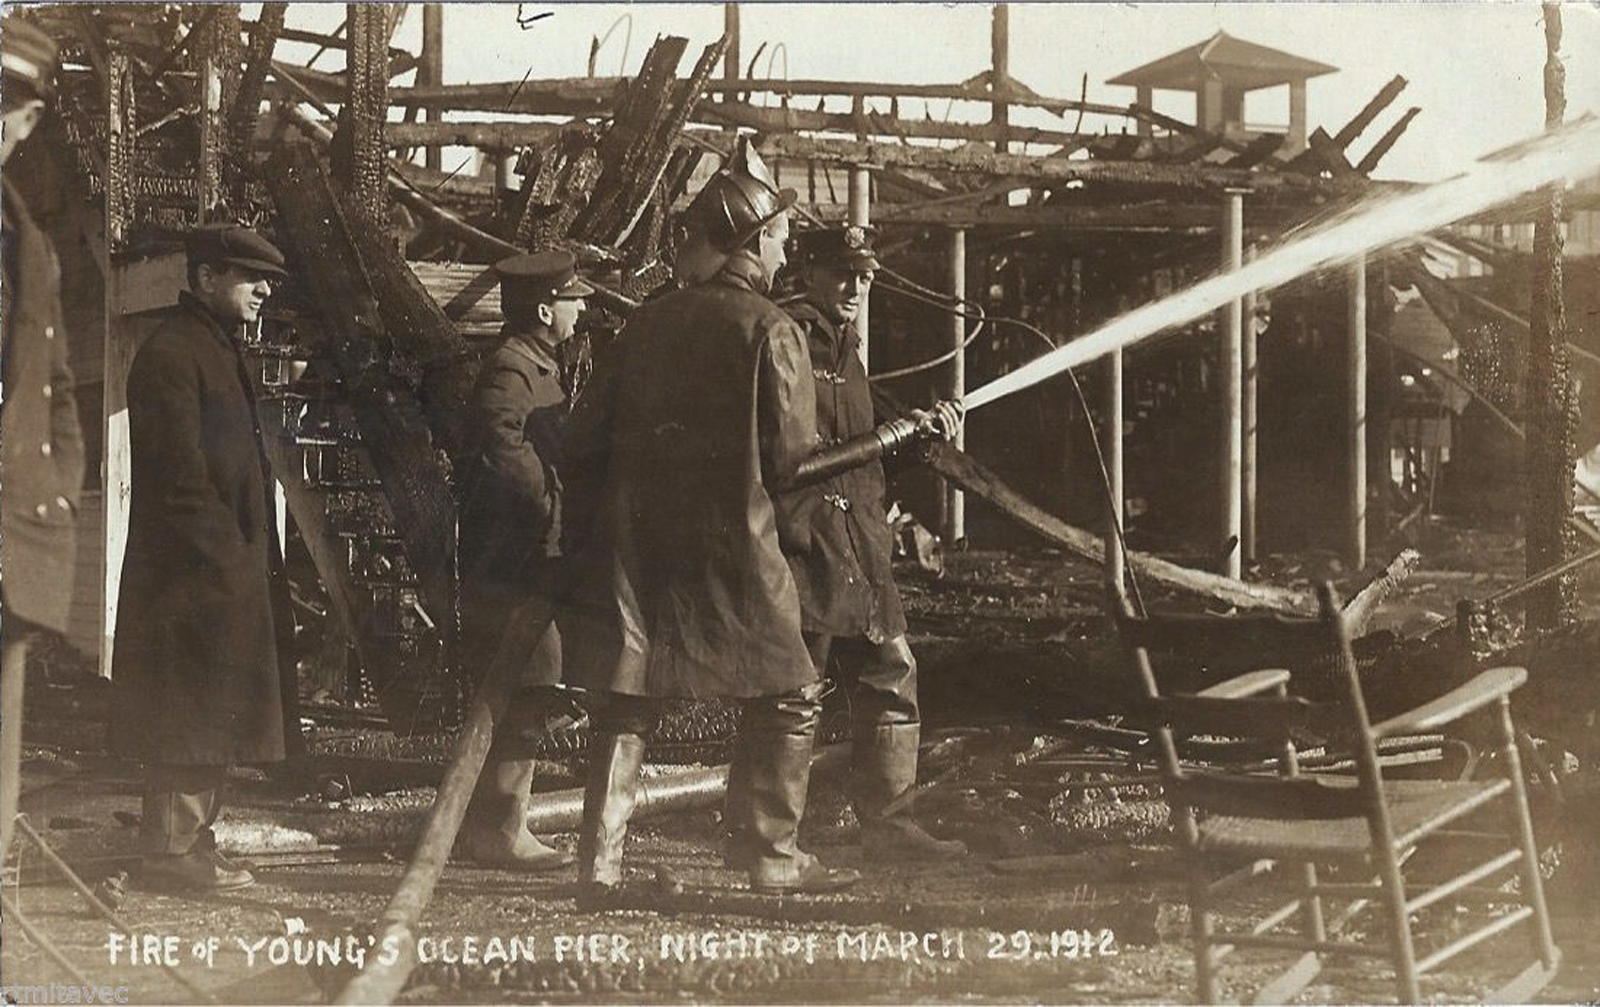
(786, 200)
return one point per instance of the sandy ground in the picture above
(1070, 931)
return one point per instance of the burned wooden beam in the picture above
(796, 120)
(871, 154)
(963, 471)
(1387, 141)
(394, 430)
(1358, 611)
(358, 157)
(1152, 216)
(1362, 119)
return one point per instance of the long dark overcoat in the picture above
(837, 533)
(683, 589)
(202, 614)
(41, 447)
(509, 525)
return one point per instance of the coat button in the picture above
(63, 503)
(41, 510)
(49, 331)
(47, 391)
(45, 449)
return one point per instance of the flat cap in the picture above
(234, 245)
(839, 247)
(526, 281)
(28, 58)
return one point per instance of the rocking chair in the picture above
(1237, 827)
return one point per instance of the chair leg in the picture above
(1394, 898)
(1533, 886)
(1315, 926)
(1205, 978)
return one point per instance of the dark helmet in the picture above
(738, 201)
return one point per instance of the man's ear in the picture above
(547, 314)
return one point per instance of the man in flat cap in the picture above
(839, 544)
(682, 590)
(509, 537)
(202, 619)
(41, 448)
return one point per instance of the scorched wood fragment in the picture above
(377, 379)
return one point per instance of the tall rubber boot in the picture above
(609, 796)
(495, 833)
(736, 808)
(884, 766)
(779, 776)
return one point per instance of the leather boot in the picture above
(495, 833)
(778, 778)
(884, 766)
(609, 795)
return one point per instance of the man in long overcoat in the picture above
(839, 544)
(41, 447)
(509, 538)
(202, 617)
(683, 589)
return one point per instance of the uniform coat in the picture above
(41, 447)
(202, 619)
(837, 533)
(683, 590)
(510, 518)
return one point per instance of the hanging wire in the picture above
(600, 43)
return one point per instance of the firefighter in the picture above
(203, 624)
(510, 534)
(839, 545)
(41, 447)
(682, 586)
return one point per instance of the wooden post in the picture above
(860, 210)
(955, 517)
(1231, 385)
(1247, 455)
(430, 71)
(1111, 447)
(1000, 69)
(730, 55)
(1356, 413)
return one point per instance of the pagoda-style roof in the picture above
(1243, 64)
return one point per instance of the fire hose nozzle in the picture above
(880, 442)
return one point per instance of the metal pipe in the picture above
(1250, 373)
(955, 517)
(1111, 438)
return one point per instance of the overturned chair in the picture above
(1238, 827)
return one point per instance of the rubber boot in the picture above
(495, 833)
(736, 854)
(779, 776)
(609, 796)
(883, 767)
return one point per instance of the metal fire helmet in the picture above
(739, 200)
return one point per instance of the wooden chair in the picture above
(1367, 825)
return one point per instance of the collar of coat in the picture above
(743, 271)
(842, 339)
(192, 304)
(524, 345)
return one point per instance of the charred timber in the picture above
(1387, 141)
(1362, 119)
(329, 263)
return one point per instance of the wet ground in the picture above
(1040, 912)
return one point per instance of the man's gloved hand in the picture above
(942, 422)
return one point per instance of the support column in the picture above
(1111, 447)
(430, 71)
(955, 513)
(1231, 387)
(1356, 413)
(730, 55)
(860, 198)
(1247, 455)
(1000, 69)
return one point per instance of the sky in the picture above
(1474, 68)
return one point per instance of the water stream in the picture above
(1567, 155)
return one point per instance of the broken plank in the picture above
(967, 474)
(1359, 610)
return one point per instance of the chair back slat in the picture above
(1252, 717)
(1297, 797)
